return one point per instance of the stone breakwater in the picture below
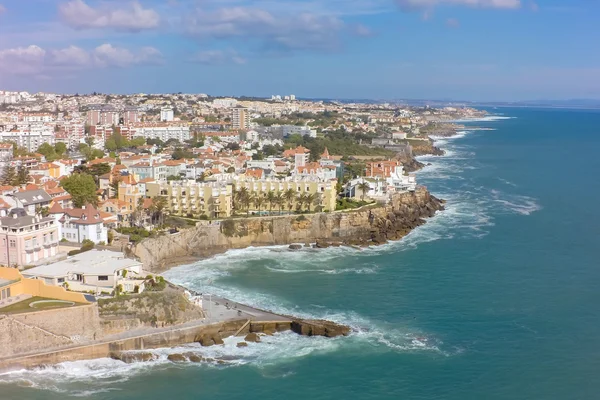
(364, 227)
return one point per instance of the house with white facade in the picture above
(94, 270)
(79, 224)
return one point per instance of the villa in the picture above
(94, 270)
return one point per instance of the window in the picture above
(13, 243)
(61, 280)
(103, 278)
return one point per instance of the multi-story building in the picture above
(225, 103)
(32, 200)
(27, 239)
(129, 192)
(325, 193)
(131, 115)
(288, 130)
(79, 224)
(102, 114)
(30, 137)
(211, 199)
(166, 114)
(6, 152)
(162, 131)
(240, 118)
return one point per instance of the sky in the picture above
(479, 50)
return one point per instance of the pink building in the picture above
(26, 239)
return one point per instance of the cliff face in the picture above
(364, 227)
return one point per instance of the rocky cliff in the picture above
(368, 226)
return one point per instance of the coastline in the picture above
(370, 227)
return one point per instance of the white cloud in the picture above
(277, 32)
(36, 61)
(2, 9)
(131, 17)
(411, 5)
(22, 60)
(71, 56)
(218, 57)
(107, 55)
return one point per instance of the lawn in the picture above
(23, 306)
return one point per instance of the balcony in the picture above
(29, 250)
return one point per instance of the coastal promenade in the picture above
(224, 318)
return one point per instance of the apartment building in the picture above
(240, 118)
(211, 199)
(166, 114)
(325, 192)
(31, 137)
(162, 131)
(27, 239)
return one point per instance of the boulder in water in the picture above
(252, 337)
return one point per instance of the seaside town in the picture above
(86, 181)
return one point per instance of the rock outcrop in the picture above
(133, 357)
(252, 337)
(362, 227)
(319, 328)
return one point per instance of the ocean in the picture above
(494, 298)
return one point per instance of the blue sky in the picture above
(442, 49)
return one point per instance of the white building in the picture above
(166, 114)
(29, 136)
(77, 224)
(225, 103)
(163, 132)
(300, 130)
(94, 270)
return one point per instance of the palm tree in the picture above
(310, 199)
(364, 187)
(318, 202)
(159, 203)
(300, 201)
(241, 197)
(280, 201)
(289, 196)
(271, 198)
(258, 201)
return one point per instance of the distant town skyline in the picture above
(464, 50)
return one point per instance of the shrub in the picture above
(63, 240)
(102, 243)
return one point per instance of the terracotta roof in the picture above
(146, 180)
(87, 216)
(56, 208)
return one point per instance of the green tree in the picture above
(114, 186)
(271, 198)
(22, 175)
(258, 202)
(9, 175)
(159, 204)
(48, 151)
(289, 196)
(60, 148)
(364, 187)
(82, 189)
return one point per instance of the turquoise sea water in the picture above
(495, 298)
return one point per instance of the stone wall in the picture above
(106, 349)
(77, 323)
(364, 227)
(19, 338)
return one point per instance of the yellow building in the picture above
(211, 199)
(129, 192)
(324, 193)
(13, 286)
